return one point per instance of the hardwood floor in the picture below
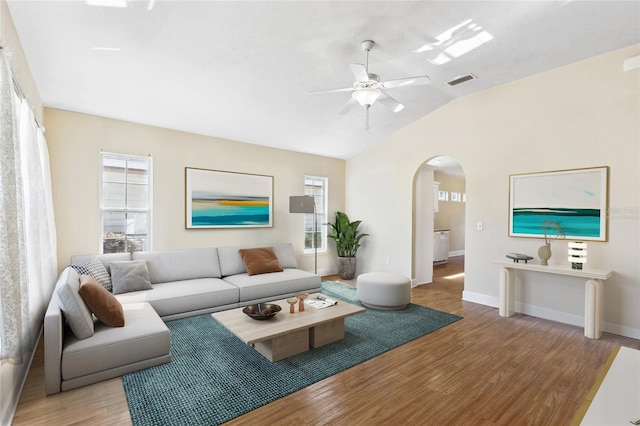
(481, 370)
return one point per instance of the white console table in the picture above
(592, 298)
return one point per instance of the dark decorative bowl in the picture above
(262, 311)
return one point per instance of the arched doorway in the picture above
(439, 199)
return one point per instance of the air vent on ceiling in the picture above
(461, 79)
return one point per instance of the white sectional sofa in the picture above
(183, 283)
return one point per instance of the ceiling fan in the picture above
(368, 88)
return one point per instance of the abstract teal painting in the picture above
(577, 199)
(220, 199)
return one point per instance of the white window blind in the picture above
(125, 203)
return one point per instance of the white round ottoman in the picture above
(384, 290)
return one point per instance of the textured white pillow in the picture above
(75, 310)
(128, 276)
(94, 268)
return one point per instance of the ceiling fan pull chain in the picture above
(367, 118)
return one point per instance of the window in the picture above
(317, 188)
(125, 203)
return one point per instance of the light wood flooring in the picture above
(481, 370)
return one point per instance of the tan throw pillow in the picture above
(102, 303)
(260, 260)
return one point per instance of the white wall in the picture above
(450, 214)
(18, 61)
(75, 141)
(583, 115)
(423, 205)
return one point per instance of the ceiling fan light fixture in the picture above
(366, 97)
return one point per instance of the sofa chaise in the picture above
(81, 350)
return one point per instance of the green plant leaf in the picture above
(345, 234)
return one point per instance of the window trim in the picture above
(321, 228)
(103, 209)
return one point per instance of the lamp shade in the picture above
(366, 96)
(301, 204)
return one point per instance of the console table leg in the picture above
(593, 309)
(507, 290)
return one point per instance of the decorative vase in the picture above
(544, 253)
(347, 267)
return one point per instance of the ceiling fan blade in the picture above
(360, 72)
(347, 107)
(409, 81)
(390, 103)
(315, 92)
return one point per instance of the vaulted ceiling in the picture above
(240, 69)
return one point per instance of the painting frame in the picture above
(217, 199)
(578, 199)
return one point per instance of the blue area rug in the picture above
(214, 377)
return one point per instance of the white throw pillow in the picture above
(75, 311)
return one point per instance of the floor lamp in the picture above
(306, 204)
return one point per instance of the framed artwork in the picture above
(576, 199)
(219, 199)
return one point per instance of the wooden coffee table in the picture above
(288, 334)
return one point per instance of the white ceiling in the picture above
(239, 69)
(447, 165)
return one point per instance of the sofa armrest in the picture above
(53, 338)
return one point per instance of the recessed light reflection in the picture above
(454, 276)
(107, 3)
(456, 41)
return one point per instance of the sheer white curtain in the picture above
(28, 265)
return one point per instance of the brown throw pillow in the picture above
(260, 260)
(103, 304)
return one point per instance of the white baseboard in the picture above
(550, 314)
(455, 253)
(325, 272)
(621, 330)
(479, 298)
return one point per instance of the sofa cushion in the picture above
(185, 296)
(177, 265)
(131, 275)
(103, 304)
(268, 286)
(105, 258)
(260, 260)
(96, 269)
(75, 310)
(143, 337)
(231, 262)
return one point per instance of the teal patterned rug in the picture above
(214, 377)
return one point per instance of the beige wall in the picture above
(75, 141)
(450, 214)
(583, 115)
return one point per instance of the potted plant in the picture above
(347, 237)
